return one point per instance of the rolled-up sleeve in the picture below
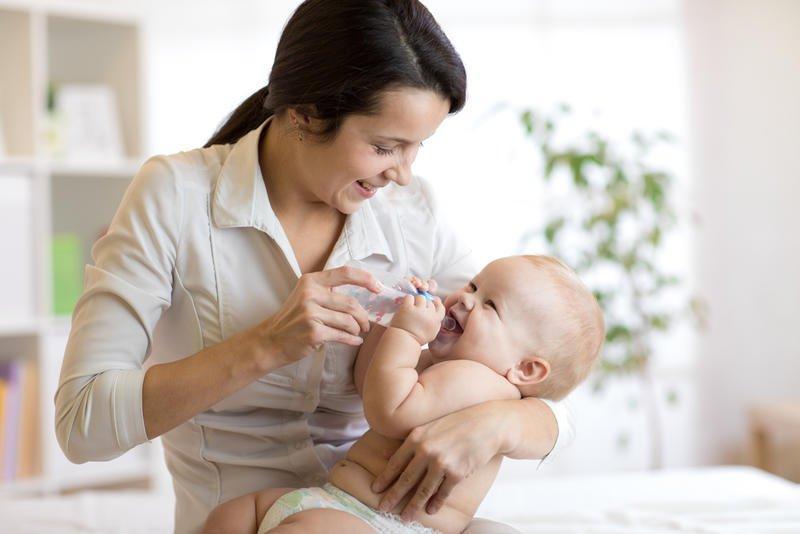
(98, 403)
(453, 266)
(566, 426)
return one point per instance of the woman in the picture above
(219, 263)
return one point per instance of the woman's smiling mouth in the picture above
(365, 189)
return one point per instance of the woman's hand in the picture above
(313, 314)
(429, 285)
(441, 454)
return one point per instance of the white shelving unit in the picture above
(45, 42)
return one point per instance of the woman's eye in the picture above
(388, 151)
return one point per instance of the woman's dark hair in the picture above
(337, 57)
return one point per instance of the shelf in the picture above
(53, 209)
(11, 327)
(19, 165)
(28, 165)
(125, 169)
(17, 327)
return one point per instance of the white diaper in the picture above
(329, 496)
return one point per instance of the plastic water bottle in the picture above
(382, 306)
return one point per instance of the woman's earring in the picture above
(299, 133)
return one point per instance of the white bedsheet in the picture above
(708, 500)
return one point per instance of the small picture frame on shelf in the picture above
(87, 123)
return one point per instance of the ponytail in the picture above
(248, 116)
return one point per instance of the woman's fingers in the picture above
(432, 285)
(323, 333)
(435, 504)
(347, 305)
(339, 321)
(429, 486)
(398, 461)
(348, 275)
(409, 478)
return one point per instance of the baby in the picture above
(524, 326)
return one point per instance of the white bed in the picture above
(721, 499)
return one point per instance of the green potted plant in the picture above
(620, 210)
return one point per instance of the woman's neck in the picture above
(278, 159)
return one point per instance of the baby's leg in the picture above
(242, 514)
(322, 521)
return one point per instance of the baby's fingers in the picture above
(439, 307)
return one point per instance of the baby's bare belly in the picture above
(367, 458)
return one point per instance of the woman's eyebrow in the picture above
(399, 140)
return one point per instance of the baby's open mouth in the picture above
(450, 324)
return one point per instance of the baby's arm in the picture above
(397, 398)
(367, 351)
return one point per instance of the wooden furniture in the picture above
(775, 438)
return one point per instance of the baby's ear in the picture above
(529, 371)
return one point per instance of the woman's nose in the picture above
(400, 173)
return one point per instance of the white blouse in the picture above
(195, 254)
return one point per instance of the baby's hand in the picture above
(420, 317)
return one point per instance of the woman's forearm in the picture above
(531, 428)
(174, 392)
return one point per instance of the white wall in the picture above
(745, 105)
(202, 60)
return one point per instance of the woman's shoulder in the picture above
(193, 169)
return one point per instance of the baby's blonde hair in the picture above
(572, 353)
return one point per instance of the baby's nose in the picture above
(467, 300)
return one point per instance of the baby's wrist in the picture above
(408, 333)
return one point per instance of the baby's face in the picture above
(496, 316)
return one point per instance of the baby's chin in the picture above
(440, 350)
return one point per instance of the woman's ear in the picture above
(304, 115)
(529, 371)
